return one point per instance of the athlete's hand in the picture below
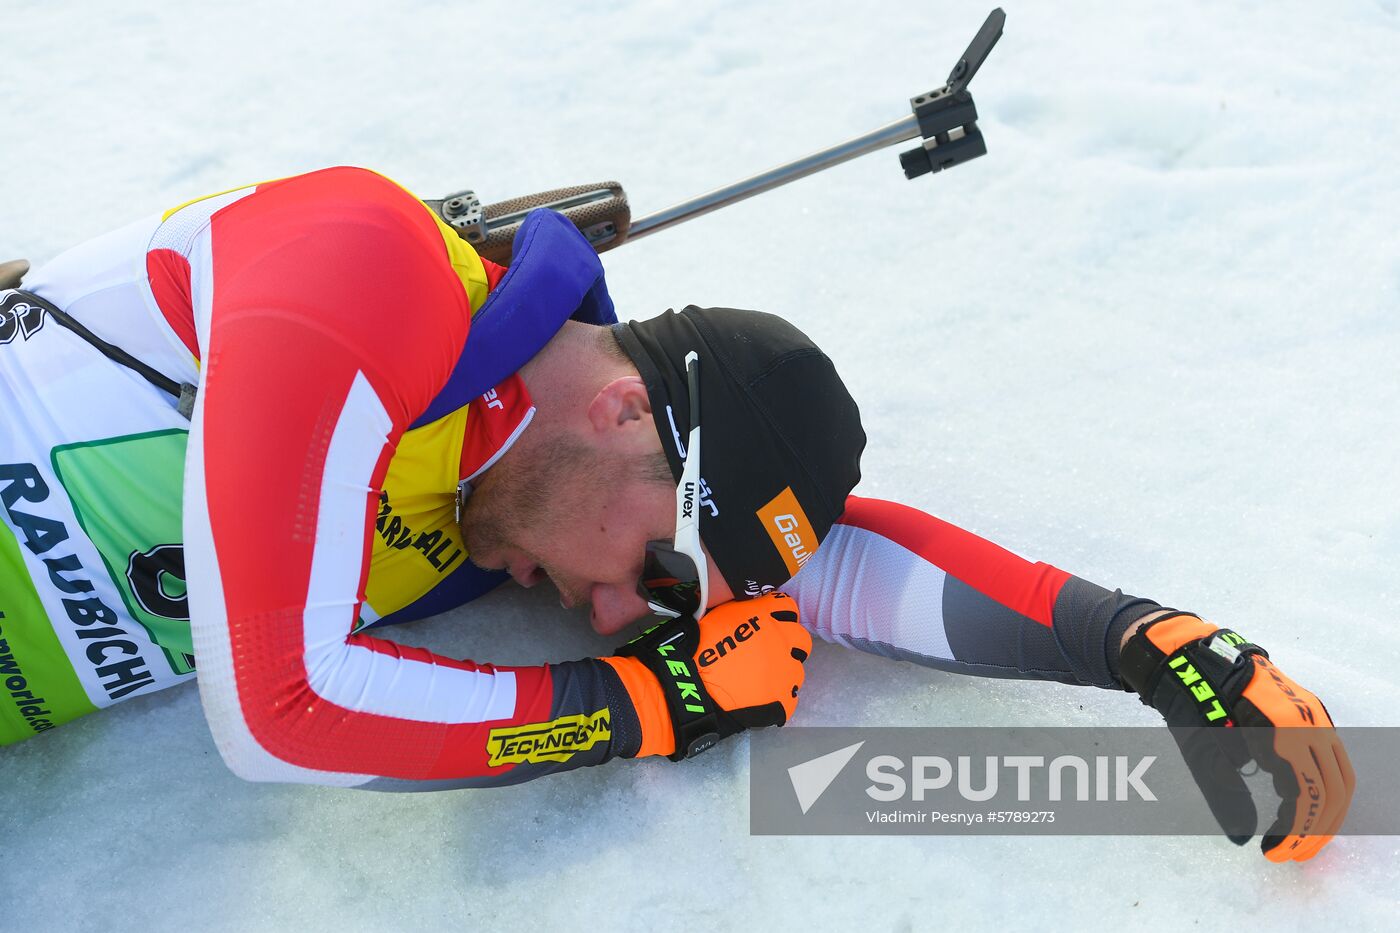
(693, 683)
(1197, 675)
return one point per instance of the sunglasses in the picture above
(675, 576)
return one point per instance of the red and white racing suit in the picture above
(320, 315)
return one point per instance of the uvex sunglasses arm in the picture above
(688, 492)
(675, 579)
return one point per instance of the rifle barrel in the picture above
(890, 134)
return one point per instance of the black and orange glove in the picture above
(692, 684)
(1211, 680)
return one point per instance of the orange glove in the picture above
(692, 684)
(1197, 675)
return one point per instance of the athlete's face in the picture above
(566, 513)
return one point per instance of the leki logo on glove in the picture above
(1204, 693)
(557, 740)
(686, 689)
(789, 529)
(1224, 643)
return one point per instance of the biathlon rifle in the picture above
(944, 120)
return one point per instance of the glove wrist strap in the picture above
(1205, 664)
(667, 650)
(1140, 662)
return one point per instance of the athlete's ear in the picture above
(622, 403)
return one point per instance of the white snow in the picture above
(1151, 338)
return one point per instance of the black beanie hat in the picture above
(780, 436)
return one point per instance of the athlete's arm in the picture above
(315, 359)
(898, 582)
(895, 581)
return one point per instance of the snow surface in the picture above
(1152, 338)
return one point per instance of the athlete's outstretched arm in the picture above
(895, 581)
(898, 582)
(314, 362)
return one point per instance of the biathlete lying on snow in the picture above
(252, 430)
